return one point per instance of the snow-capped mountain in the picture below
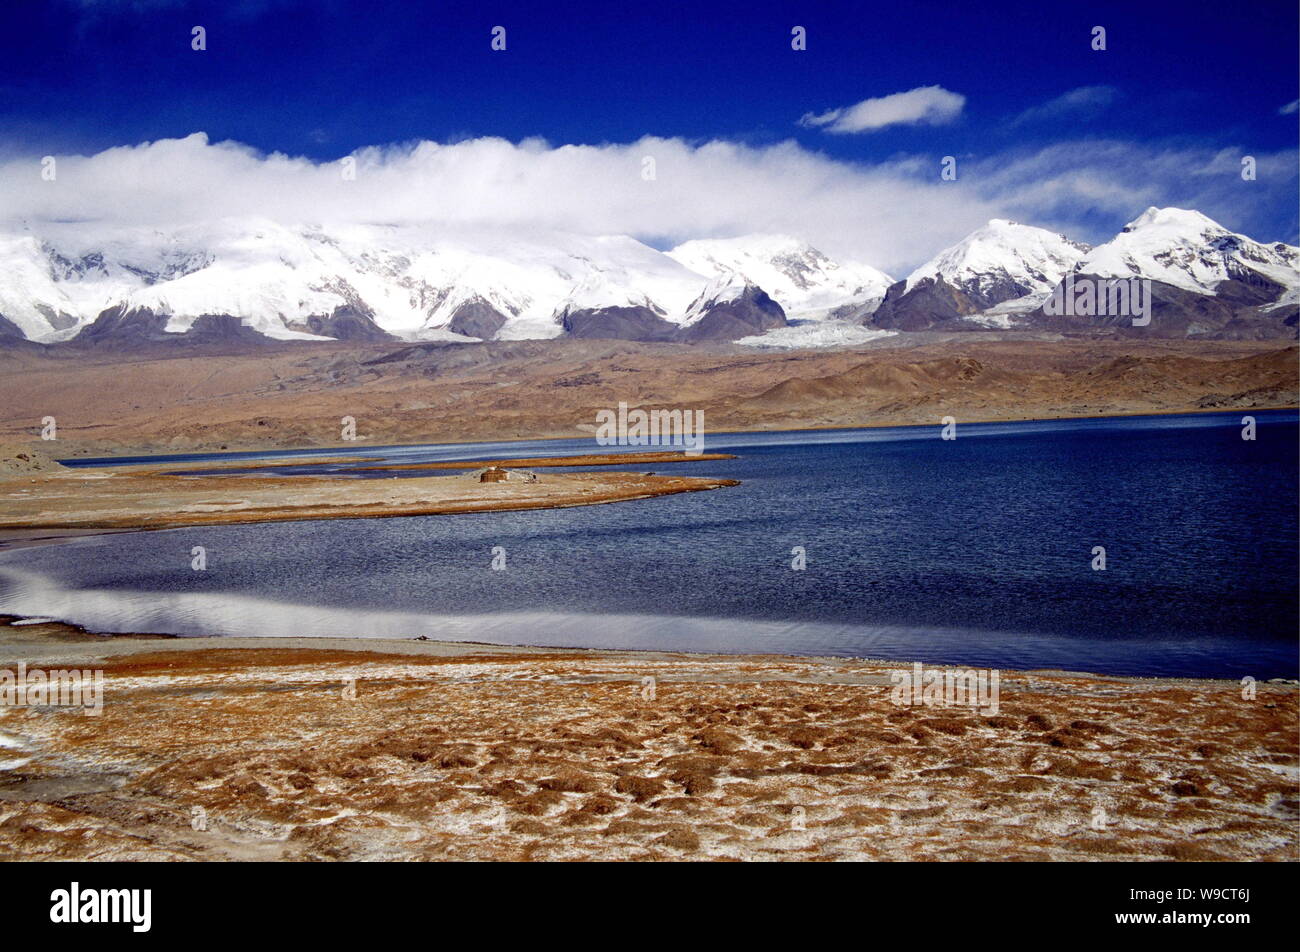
(514, 288)
(47, 292)
(255, 279)
(1187, 250)
(269, 277)
(724, 288)
(807, 284)
(1199, 280)
(607, 304)
(731, 307)
(1002, 262)
(300, 283)
(1205, 280)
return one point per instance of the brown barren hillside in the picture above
(172, 398)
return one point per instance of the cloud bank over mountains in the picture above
(892, 214)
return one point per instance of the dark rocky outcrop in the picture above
(1249, 287)
(475, 317)
(344, 323)
(123, 325)
(59, 320)
(1238, 310)
(9, 331)
(120, 327)
(931, 303)
(752, 312)
(220, 328)
(618, 323)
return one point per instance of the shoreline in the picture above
(42, 631)
(50, 632)
(87, 461)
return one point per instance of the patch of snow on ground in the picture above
(1290, 298)
(816, 334)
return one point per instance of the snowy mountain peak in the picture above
(725, 288)
(1002, 260)
(765, 246)
(1181, 219)
(729, 308)
(601, 289)
(1191, 251)
(804, 281)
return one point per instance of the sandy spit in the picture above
(105, 498)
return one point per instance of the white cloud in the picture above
(1084, 102)
(891, 214)
(1289, 108)
(927, 105)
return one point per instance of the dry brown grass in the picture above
(559, 757)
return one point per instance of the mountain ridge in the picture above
(411, 284)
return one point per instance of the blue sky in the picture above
(1181, 87)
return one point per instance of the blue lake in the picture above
(975, 551)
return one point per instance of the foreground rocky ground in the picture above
(412, 750)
